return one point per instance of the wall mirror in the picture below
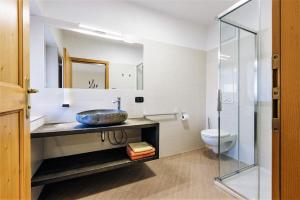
(86, 57)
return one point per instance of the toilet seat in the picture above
(214, 133)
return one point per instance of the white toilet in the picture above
(210, 138)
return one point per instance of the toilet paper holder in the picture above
(184, 116)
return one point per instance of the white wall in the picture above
(213, 36)
(174, 78)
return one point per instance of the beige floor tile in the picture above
(184, 176)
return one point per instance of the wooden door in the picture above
(14, 126)
(290, 99)
(287, 151)
(67, 69)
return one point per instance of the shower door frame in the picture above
(220, 178)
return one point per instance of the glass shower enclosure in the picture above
(237, 105)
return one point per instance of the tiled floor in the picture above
(247, 184)
(185, 176)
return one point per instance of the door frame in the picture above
(286, 98)
(92, 61)
(276, 72)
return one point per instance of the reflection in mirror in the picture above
(76, 58)
(85, 73)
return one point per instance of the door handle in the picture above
(32, 91)
(27, 97)
(219, 106)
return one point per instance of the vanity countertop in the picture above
(72, 128)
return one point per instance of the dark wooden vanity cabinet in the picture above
(73, 166)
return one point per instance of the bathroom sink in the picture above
(102, 117)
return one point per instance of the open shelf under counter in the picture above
(74, 166)
(68, 167)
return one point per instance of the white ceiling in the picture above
(201, 12)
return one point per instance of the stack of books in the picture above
(140, 150)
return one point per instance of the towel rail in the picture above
(160, 114)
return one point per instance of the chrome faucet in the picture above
(119, 102)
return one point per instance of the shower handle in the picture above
(219, 106)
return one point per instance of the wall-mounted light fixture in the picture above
(98, 32)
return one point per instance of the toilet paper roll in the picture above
(184, 116)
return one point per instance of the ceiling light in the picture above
(98, 34)
(96, 29)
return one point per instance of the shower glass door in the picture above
(228, 85)
(237, 117)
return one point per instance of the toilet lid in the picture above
(214, 133)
